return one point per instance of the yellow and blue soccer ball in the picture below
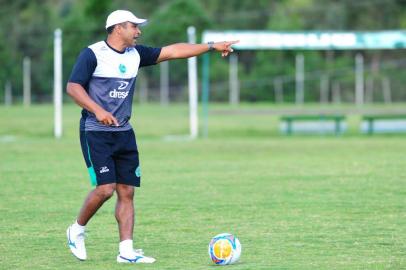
(224, 249)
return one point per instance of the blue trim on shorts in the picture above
(92, 173)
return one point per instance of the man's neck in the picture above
(115, 44)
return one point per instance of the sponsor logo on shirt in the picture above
(116, 93)
(123, 85)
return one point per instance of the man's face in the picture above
(129, 33)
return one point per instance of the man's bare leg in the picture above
(76, 232)
(125, 211)
(125, 220)
(94, 201)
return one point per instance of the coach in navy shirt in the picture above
(102, 83)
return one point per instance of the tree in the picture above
(83, 25)
(27, 25)
(169, 24)
(27, 30)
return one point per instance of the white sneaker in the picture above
(76, 243)
(136, 257)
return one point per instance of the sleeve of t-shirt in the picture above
(148, 55)
(84, 67)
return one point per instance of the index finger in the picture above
(115, 122)
(232, 42)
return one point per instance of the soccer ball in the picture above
(224, 249)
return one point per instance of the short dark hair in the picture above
(111, 28)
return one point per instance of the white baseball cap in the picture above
(120, 16)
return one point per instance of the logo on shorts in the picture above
(138, 172)
(104, 169)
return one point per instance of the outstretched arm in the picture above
(186, 50)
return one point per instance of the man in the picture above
(102, 83)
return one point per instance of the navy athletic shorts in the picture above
(111, 157)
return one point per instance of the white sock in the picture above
(126, 247)
(78, 228)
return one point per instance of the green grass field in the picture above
(299, 202)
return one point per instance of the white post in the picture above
(336, 92)
(27, 81)
(8, 95)
(233, 80)
(359, 79)
(299, 79)
(387, 97)
(192, 72)
(58, 83)
(278, 87)
(324, 83)
(369, 89)
(164, 68)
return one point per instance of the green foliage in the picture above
(27, 30)
(286, 18)
(169, 25)
(3, 59)
(239, 14)
(27, 25)
(97, 10)
(84, 25)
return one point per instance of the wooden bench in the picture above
(383, 124)
(313, 124)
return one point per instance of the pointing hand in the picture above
(224, 47)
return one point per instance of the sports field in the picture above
(299, 202)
